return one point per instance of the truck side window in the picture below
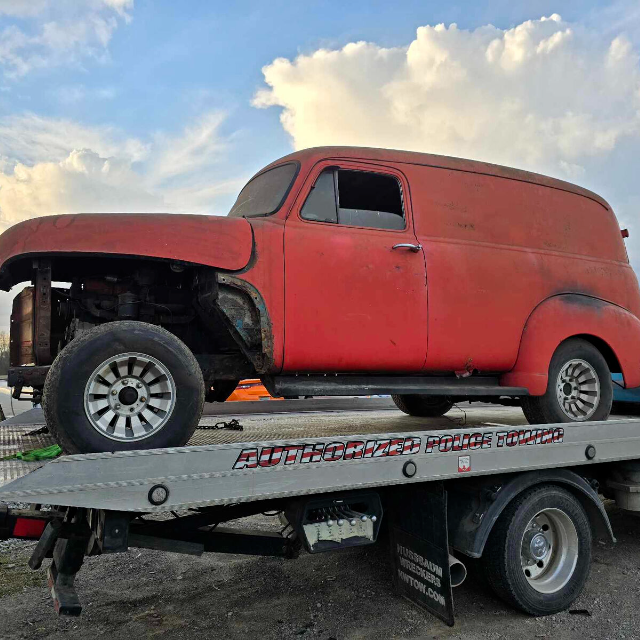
(369, 200)
(321, 204)
(364, 200)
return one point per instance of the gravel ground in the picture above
(341, 595)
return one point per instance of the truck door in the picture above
(355, 276)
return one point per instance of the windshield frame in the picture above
(284, 196)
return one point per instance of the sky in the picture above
(143, 105)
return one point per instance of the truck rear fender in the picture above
(612, 329)
(474, 511)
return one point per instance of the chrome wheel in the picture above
(129, 397)
(578, 390)
(549, 552)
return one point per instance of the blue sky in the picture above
(141, 105)
(168, 62)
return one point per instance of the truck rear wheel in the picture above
(538, 555)
(579, 388)
(423, 406)
(121, 386)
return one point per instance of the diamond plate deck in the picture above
(14, 439)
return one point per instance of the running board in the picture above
(352, 385)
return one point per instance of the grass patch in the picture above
(15, 574)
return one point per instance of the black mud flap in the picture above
(420, 548)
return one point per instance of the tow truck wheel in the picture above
(579, 388)
(121, 386)
(538, 555)
(423, 406)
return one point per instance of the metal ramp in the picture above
(224, 474)
(273, 426)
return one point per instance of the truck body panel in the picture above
(340, 262)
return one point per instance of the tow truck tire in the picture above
(423, 406)
(578, 374)
(538, 556)
(123, 386)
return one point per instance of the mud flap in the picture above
(420, 548)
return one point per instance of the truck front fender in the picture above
(574, 315)
(212, 241)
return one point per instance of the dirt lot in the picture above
(344, 595)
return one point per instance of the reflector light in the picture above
(28, 528)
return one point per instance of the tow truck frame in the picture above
(440, 492)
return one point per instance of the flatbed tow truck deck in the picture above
(465, 483)
(256, 427)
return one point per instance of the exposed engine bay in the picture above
(214, 314)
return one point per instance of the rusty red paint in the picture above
(209, 240)
(564, 316)
(498, 243)
(348, 296)
(505, 256)
(21, 345)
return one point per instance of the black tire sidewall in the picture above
(66, 383)
(525, 595)
(423, 406)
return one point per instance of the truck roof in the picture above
(316, 154)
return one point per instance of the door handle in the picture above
(404, 245)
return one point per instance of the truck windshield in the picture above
(264, 194)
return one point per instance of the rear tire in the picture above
(538, 556)
(423, 406)
(123, 386)
(579, 388)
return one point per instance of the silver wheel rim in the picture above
(129, 397)
(549, 551)
(578, 390)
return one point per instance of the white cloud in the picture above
(23, 8)
(545, 95)
(183, 166)
(59, 32)
(84, 181)
(540, 94)
(198, 145)
(29, 139)
(50, 166)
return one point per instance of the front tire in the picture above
(538, 556)
(423, 406)
(579, 388)
(123, 386)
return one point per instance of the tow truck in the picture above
(527, 500)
